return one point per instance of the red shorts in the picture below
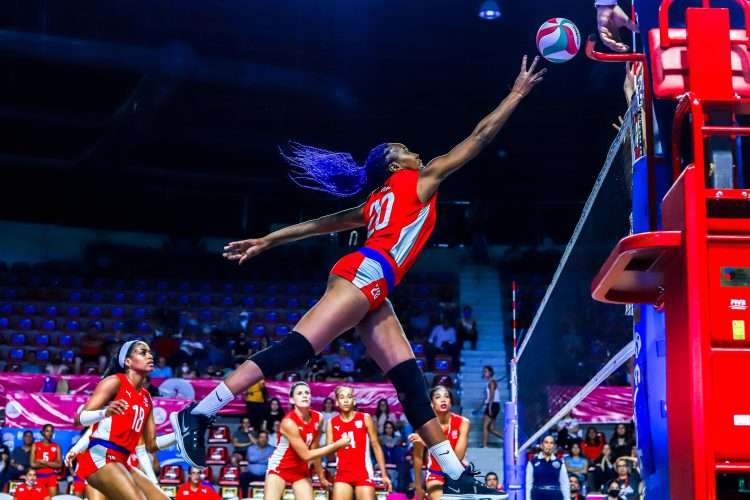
(354, 480)
(46, 480)
(79, 485)
(368, 270)
(97, 457)
(432, 476)
(290, 476)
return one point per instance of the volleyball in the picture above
(558, 40)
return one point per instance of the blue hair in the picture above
(332, 172)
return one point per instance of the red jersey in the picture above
(48, 453)
(125, 430)
(284, 457)
(26, 492)
(202, 492)
(452, 432)
(399, 224)
(354, 460)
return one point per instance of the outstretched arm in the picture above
(484, 133)
(351, 218)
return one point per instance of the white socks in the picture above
(214, 401)
(447, 458)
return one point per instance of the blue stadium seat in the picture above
(117, 312)
(293, 316)
(272, 289)
(205, 286)
(255, 345)
(282, 330)
(248, 288)
(204, 300)
(73, 312)
(259, 331)
(442, 363)
(418, 348)
(65, 340)
(72, 325)
(161, 299)
(25, 324)
(29, 309)
(183, 299)
(141, 284)
(228, 287)
(68, 356)
(17, 354)
(421, 362)
(4, 323)
(205, 315)
(119, 284)
(11, 294)
(293, 289)
(292, 303)
(139, 298)
(162, 285)
(95, 324)
(99, 283)
(118, 297)
(269, 302)
(311, 302)
(75, 296)
(271, 316)
(184, 286)
(227, 301)
(76, 282)
(118, 325)
(97, 297)
(248, 301)
(42, 355)
(18, 339)
(139, 313)
(48, 325)
(143, 327)
(51, 311)
(6, 308)
(347, 346)
(94, 312)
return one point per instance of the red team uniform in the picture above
(434, 472)
(25, 492)
(398, 226)
(46, 476)
(203, 492)
(114, 439)
(285, 462)
(354, 465)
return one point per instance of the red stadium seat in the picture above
(217, 455)
(171, 474)
(219, 434)
(207, 474)
(229, 476)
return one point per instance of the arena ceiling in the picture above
(166, 115)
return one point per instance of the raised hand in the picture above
(527, 79)
(118, 407)
(610, 18)
(245, 249)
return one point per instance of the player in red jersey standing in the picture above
(30, 489)
(297, 446)
(120, 413)
(193, 489)
(354, 474)
(399, 217)
(46, 459)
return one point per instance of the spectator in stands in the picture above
(593, 444)
(628, 480)
(162, 369)
(613, 490)
(491, 405)
(187, 371)
(604, 470)
(257, 461)
(546, 476)
(443, 338)
(4, 465)
(275, 414)
(92, 345)
(56, 367)
(337, 375)
(273, 436)
(193, 489)
(491, 481)
(383, 414)
(29, 490)
(621, 442)
(192, 347)
(317, 372)
(20, 459)
(255, 402)
(576, 463)
(389, 439)
(575, 489)
(244, 437)
(329, 411)
(46, 460)
(419, 324)
(467, 328)
(344, 360)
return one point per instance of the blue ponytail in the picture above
(331, 172)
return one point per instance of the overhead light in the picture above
(489, 10)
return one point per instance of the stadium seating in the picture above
(217, 455)
(219, 434)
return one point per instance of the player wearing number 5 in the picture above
(354, 474)
(119, 413)
(46, 458)
(399, 216)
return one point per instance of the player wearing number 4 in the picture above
(399, 216)
(354, 474)
(119, 413)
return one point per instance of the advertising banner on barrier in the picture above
(606, 404)
(367, 394)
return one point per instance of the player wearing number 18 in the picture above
(399, 216)
(119, 413)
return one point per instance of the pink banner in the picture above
(367, 394)
(607, 404)
(28, 411)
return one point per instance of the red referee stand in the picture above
(698, 267)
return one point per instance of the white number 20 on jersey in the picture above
(380, 213)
